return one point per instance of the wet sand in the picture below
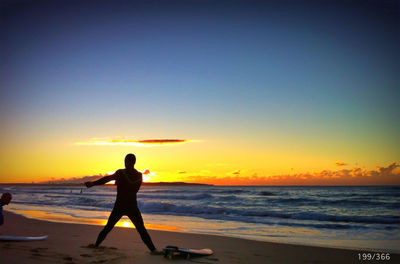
(68, 243)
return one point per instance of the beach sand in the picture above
(67, 243)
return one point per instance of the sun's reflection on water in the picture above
(65, 218)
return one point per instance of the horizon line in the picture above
(209, 184)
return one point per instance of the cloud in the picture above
(357, 176)
(148, 172)
(161, 141)
(130, 142)
(73, 180)
(233, 173)
(386, 175)
(340, 163)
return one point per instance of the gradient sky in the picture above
(256, 88)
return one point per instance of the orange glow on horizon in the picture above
(207, 163)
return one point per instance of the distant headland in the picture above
(81, 184)
(78, 181)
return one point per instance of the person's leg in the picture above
(112, 220)
(136, 217)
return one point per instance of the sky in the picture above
(220, 92)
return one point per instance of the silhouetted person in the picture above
(128, 183)
(4, 200)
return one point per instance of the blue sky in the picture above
(294, 74)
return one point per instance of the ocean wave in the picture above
(387, 219)
(68, 202)
(321, 225)
(170, 208)
(308, 207)
(266, 193)
(292, 200)
(180, 190)
(318, 201)
(55, 196)
(164, 207)
(356, 202)
(233, 191)
(200, 196)
(226, 198)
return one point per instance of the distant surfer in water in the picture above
(4, 200)
(128, 183)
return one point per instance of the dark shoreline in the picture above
(194, 184)
(81, 184)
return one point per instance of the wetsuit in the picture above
(128, 183)
(1, 214)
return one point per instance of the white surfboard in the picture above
(22, 238)
(172, 251)
(202, 252)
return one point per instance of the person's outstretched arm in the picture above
(101, 181)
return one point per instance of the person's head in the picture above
(130, 160)
(5, 198)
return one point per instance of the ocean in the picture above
(345, 217)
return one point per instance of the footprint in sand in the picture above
(68, 259)
(38, 251)
(7, 245)
(89, 246)
(99, 261)
(103, 254)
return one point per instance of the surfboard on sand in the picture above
(22, 238)
(172, 251)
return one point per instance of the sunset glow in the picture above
(125, 224)
(247, 95)
(147, 175)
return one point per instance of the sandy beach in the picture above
(67, 243)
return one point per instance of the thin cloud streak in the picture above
(137, 143)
